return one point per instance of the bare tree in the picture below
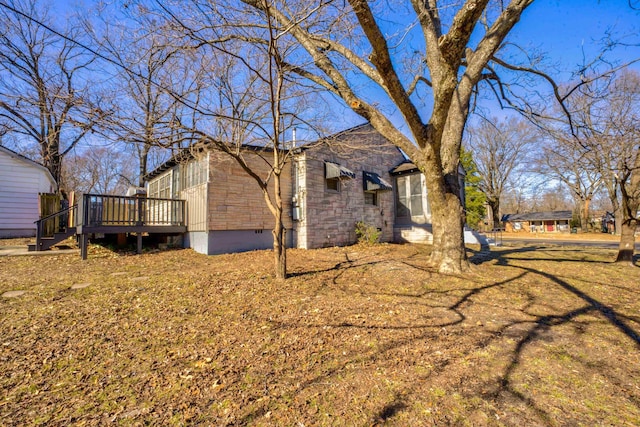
(44, 96)
(563, 158)
(618, 147)
(500, 149)
(346, 46)
(383, 68)
(551, 198)
(98, 170)
(153, 79)
(601, 141)
(251, 103)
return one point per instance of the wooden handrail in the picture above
(55, 214)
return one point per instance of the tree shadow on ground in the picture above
(543, 324)
(536, 327)
(485, 254)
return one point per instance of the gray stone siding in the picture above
(328, 217)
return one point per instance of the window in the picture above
(164, 187)
(373, 184)
(161, 188)
(333, 173)
(371, 198)
(409, 196)
(195, 172)
(175, 185)
(153, 189)
(333, 184)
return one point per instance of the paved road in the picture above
(569, 242)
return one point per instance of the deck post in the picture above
(139, 236)
(84, 243)
(140, 206)
(38, 234)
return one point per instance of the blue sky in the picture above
(564, 28)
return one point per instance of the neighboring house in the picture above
(538, 222)
(21, 180)
(327, 187)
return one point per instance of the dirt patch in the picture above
(358, 336)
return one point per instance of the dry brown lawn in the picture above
(359, 336)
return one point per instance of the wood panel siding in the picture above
(234, 198)
(196, 199)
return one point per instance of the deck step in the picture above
(47, 242)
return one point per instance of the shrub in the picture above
(367, 234)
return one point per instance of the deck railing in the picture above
(101, 210)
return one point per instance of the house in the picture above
(225, 209)
(327, 187)
(21, 180)
(342, 180)
(538, 222)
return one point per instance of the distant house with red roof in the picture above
(538, 222)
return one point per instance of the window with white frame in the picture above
(153, 189)
(409, 196)
(195, 172)
(161, 188)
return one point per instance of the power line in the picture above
(118, 64)
(177, 97)
(74, 41)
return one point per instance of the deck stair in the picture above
(54, 228)
(46, 243)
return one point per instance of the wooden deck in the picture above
(105, 214)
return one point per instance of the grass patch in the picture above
(358, 336)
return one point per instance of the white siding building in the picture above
(21, 180)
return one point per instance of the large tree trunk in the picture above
(627, 241)
(494, 205)
(447, 218)
(448, 252)
(584, 213)
(618, 218)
